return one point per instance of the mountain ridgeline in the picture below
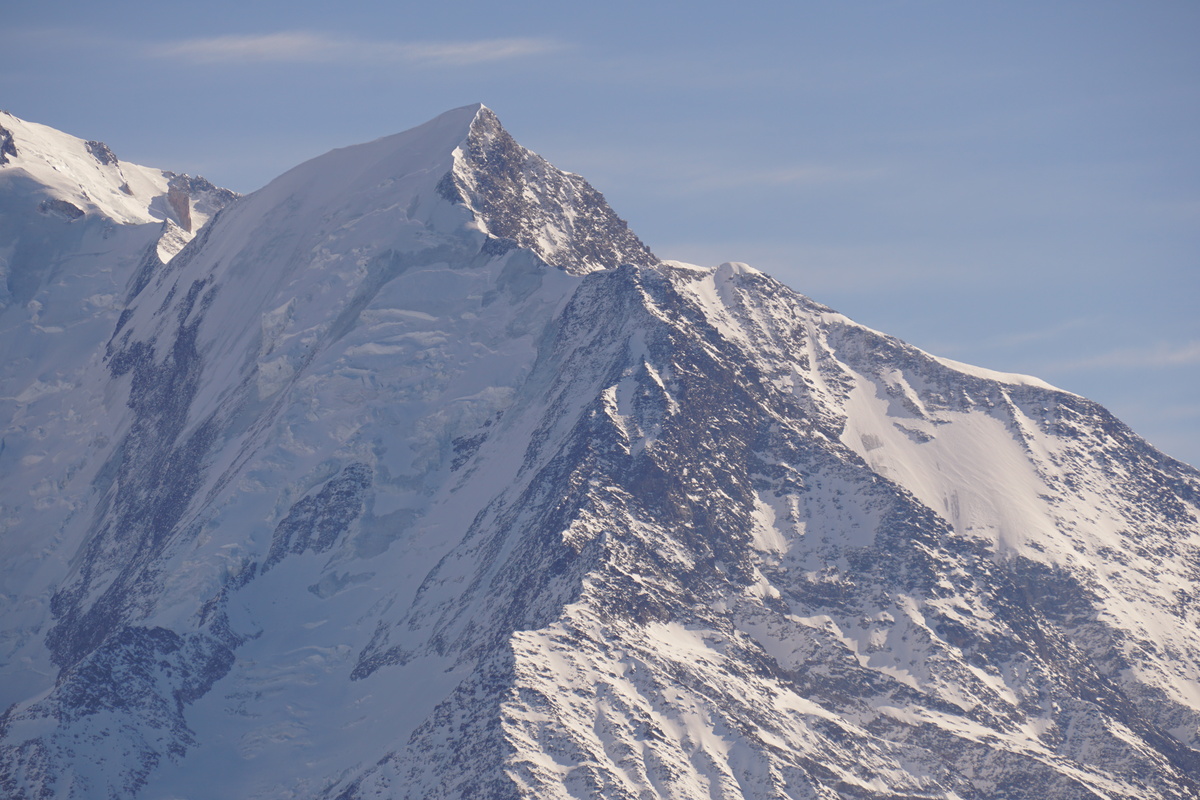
(415, 474)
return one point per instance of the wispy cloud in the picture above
(306, 47)
(1006, 340)
(1181, 412)
(799, 175)
(687, 170)
(1163, 354)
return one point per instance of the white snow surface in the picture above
(74, 170)
(67, 169)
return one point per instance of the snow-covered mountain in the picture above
(416, 475)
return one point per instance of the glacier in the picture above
(416, 474)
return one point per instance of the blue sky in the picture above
(1012, 184)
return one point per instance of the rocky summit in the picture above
(415, 474)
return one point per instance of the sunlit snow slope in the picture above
(416, 475)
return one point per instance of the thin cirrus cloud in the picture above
(802, 175)
(306, 47)
(1156, 356)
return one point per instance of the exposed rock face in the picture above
(415, 475)
(61, 208)
(8, 148)
(518, 195)
(179, 199)
(185, 192)
(102, 154)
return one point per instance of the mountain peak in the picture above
(518, 195)
(466, 157)
(371, 492)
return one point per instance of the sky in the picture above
(1011, 184)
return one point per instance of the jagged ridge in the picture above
(522, 197)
